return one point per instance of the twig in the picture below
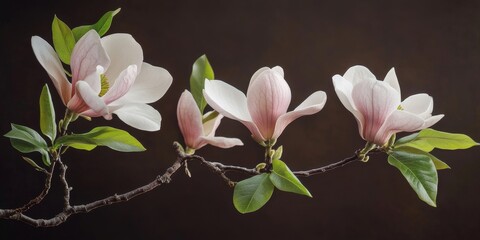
(66, 188)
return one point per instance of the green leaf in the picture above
(428, 139)
(420, 173)
(439, 164)
(47, 114)
(101, 26)
(201, 70)
(251, 194)
(33, 164)
(285, 180)
(113, 138)
(63, 40)
(27, 140)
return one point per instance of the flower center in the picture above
(400, 108)
(104, 85)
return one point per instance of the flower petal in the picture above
(49, 60)
(358, 73)
(211, 125)
(123, 51)
(121, 85)
(398, 121)
(343, 88)
(221, 142)
(268, 97)
(140, 116)
(313, 104)
(391, 78)
(256, 74)
(431, 121)
(420, 104)
(87, 54)
(189, 119)
(86, 94)
(375, 100)
(231, 103)
(150, 85)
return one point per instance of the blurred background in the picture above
(433, 45)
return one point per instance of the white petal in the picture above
(279, 70)
(343, 88)
(398, 121)
(91, 98)
(122, 85)
(420, 104)
(268, 98)
(94, 80)
(431, 121)
(87, 54)
(226, 100)
(313, 104)
(211, 125)
(231, 103)
(391, 78)
(123, 51)
(358, 73)
(375, 100)
(49, 60)
(150, 85)
(140, 116)
(221, 142)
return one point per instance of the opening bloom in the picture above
(108, 76)
(264, 110)
(377, 105)
(199, 131)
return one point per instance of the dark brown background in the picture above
(434, 46)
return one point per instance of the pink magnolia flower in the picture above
(264, 110)
(108, 76)
(195, 133)
(377, 105)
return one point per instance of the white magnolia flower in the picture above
(264, 110)
(195, 133)
(108, 76)
(377, 105)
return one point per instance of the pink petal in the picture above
(313, 104)
(87, 54)
(86, 95)
(121, 85)
(375, 100)
(189, 119)
(47, 57)
(398, 121)
(268, 97)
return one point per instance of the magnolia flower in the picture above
(108, 76)
(264, 110)
(195, 133)
(376, 105)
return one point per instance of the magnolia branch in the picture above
(182, 160)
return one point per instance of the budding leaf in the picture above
(27, 140)
(33, 164)
(201, 70)
(63, 40)
(113, 138)
(428, 139)
(251, 194)
(47, 114)
(284, 179)
(419, 171)
(101, 26)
